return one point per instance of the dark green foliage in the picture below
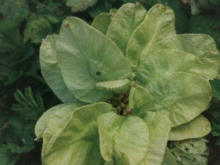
(23, 25)
(206, 24)
(17, 126)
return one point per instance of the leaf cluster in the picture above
(124, 83)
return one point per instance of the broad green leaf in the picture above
(55, 122)
(198, 127)
(41, 124)
(116, 86)
(86, 57)
(169, 61)
(122, 139)
(181, 16)
(157, 26)
(159, 129)
(80, 5)
(102, 22)
(181, 96)
(139, 100)
(168, 158)
(201, 46)
(51, 71)
(125, 21)
(76, 139)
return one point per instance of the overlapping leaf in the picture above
(123, 139)
(125, 21)
(172, 74)
(75, 139)
(197, 128)
(159, 129)
(157, 26)
(51, 70)
(86, 57)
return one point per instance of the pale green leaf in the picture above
(102, 22)
(41, 124)
(139, 100)
(196, 128)
(123, 24)
(51, 71)
(168, 158)
(122, 139)
(80, 5)
(201, 46)
(86, 57)
(157, 26)
(76, 139)
(168, 61)
(116, 86)
(159, 129)
(181, 96)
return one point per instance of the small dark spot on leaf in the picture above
(98, 73)
(165, 8)
(66, 24)
(186, 149)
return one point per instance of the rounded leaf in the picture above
(124, 22)
(76, 139)
(116, 86)
(168, 61)
(87, 57)
(122, 139)
(157, 26)
(102, 22)
(159, 128)
(140, 100)
(181, 96)
(51, 71)
(200, 45)
(196, 128)
(41, 124)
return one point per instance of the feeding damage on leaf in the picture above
(124, 83)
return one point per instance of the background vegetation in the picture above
(24, 95)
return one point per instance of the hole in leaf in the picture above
(98, 73)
